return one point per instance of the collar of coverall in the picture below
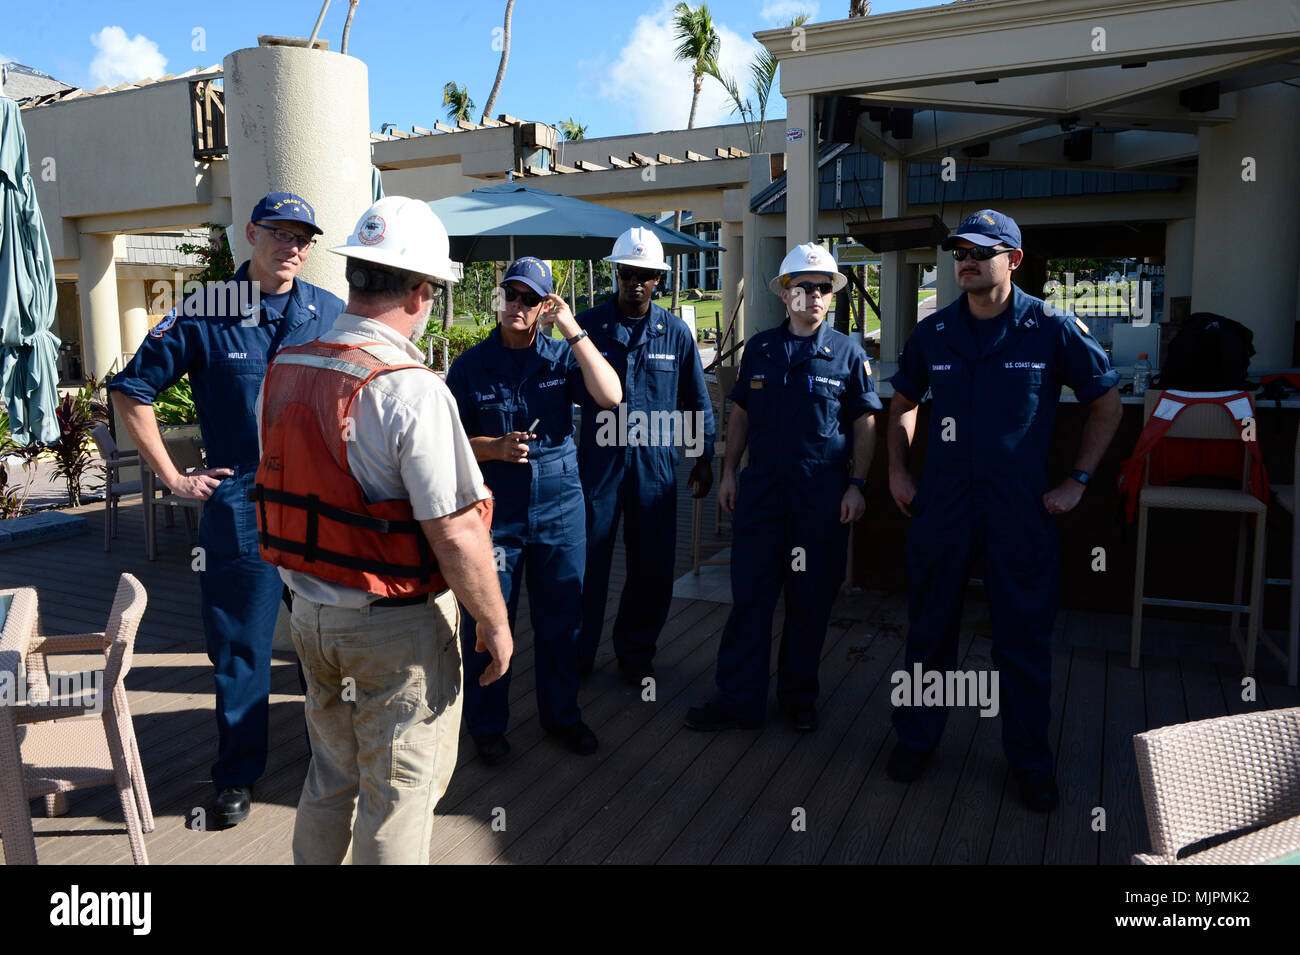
(496, 356)
(294, 312)
(956, 330)
(820, 339)
(653, 324)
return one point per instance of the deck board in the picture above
(656, 792)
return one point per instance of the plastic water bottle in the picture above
(1141, 374)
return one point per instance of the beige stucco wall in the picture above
(298, 121)
(112, 152)
(1247, 251)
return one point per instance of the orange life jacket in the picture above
(312, 514)
(1172, 459)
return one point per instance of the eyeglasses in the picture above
(822, 288)
(979, 253)
(285, 237)
(636, 276)
(530, 299)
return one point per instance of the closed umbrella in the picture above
(502, 222)
(28, 298)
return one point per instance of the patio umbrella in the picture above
(502, 222)
(28, 350)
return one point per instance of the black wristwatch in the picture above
(858, 482)
(1081, 476)
(577, 338)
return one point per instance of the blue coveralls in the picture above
(658, 365)
(801, 410)
(538, 520)
(981, 497)
(226, 356)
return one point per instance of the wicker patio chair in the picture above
(63, 750)
(15, 812)
(1215, 778)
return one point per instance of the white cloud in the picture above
(656, 88)
(781, 12)
(123, 60)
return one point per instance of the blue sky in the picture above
(607, 63)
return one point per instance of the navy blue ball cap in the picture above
(986, 227)
(532, 272)
(285, 207)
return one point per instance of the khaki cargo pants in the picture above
(383, 715)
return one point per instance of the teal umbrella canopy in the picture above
(29, 374)
(502, 222)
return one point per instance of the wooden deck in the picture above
(656, 792)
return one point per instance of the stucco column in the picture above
(1180, 246)
(299, 121)
(1247, 232)
(101, 330)
(732, 269)
(945, 280)
(801, 172)
(135, 313)
(895, 317)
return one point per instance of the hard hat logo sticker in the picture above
(811, 258)
(371, 231)
(638, 250)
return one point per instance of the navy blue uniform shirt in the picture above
(802, 407)
(495, 398)
(226, 355)
(657, 363)
(997, 405)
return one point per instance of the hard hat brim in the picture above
(838, 279)
(442, 271)
(660, 266)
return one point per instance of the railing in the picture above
(208, 120)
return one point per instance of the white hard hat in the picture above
(808, 258)
(640, 247)
(403, 233)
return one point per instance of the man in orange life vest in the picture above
(371, 504)
(993, 362)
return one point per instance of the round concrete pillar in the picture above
(1247, 233)
(1180, 243)
(101, 330)
(299, 121)
(135, 313)
(732, 270)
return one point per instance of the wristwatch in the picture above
(1081, 476)
(577, 338)
(858, 482)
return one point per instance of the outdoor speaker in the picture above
(840, 119)
(1078, 145)
(1200, 99)
(900, 123)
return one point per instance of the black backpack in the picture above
(1209, 353)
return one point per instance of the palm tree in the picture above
(762, 72)
(698, 44)
(501, 67)
(456, 99)
(571, 130)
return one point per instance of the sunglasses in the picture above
(285, 237)
(979, 253)
(637, 276)
(822, 288)
(530, 299)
